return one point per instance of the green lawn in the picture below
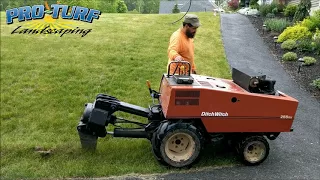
(46, 80)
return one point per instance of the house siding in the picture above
(314, 3)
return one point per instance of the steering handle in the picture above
(175, 62)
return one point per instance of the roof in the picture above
(183, 5)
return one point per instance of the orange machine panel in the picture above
(223, 106)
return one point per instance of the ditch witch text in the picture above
(213, 114)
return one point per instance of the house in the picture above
(315, 4)
(183, 5)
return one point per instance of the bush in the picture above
(255, 6)
(305, 45)
(280, 6)
(316, 21)
(294, 32)
(290, 56)
(270, 15)
(122, 7)
(308, 61)
(175, 9)
(302, 10)
(289, 44)
(276, 25)
(309, 23)
(265, 9)
(253, 2)
(316, 46)
(134, 11)
(233, 4)
(316, 83)
(316, 13)
(275, 10)
(242, 3)
(290, 10)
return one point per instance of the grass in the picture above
(46, 80)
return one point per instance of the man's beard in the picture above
(189, 34)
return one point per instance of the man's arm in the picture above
(173, 49)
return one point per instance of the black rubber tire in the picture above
(156, 149)
(183, 130)
(245, 150)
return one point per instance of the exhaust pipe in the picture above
(130, 132)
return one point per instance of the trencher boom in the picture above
(194, 110)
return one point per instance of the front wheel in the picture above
(254, 150)
(180, 145)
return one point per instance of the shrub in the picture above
(122, 7)
(134, 11)
(308, 61)
(316, 13)
(275, 10)
(316, 21)
(242, 3)
(290, 10)
(316, 83)
(270, 15)
(276, 25)
(290, 56)
(280, 6)
(289, 44)
(316, 46)
(309, 23)
(302, 10)
(265, 9)
(175, 9)
(233, 4)
(316, 35)
(294, 32)
(304, 45)
(255, 6)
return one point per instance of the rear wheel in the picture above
(180, 145)
(254, 150)
(156, 148)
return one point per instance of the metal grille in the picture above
(186, 102)
(187, 93)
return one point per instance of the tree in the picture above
(302, 11)
(122, 8)
(131, 4)
(175, 9)
(151, 6)
(139, 5)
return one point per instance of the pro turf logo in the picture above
(58, 20)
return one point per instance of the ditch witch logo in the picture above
(55, 21)
(214, 114)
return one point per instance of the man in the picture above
(181, 47)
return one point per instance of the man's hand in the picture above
(178, 58)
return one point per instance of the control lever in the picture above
(153, 93)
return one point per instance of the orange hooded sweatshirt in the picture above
(181, 45)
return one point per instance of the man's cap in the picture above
(192, 19)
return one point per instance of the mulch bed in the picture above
(307, 73)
